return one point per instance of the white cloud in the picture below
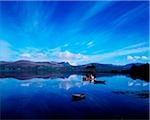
(144, 58)
(129, 57)
(40, 55)
(137, 58)
(25, 56)
(72, 58)
(32, 56)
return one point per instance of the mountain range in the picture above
(24, 69)
(28, 66)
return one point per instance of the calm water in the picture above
(120, 97)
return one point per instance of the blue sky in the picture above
(75, 32)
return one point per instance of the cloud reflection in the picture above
(67, 83)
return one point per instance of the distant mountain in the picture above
(104, 68)
(24, 65)
(64, 63)
(31, 63)
(30, 66)
(128, 66)
(137, 70)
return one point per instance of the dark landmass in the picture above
(139, 94)
(24, 69)
(138, 72)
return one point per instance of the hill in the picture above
(135, 70)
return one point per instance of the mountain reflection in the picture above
(30, 75)
(66, 76)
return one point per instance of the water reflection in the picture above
(66, 83)
(140, 94)
(120, 97)
(31, 75)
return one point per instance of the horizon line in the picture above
(75, 65)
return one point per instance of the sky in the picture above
(78, 32)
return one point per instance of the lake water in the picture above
(120, 97)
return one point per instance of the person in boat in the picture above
(89, 77)
(92, 77)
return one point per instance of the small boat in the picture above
(84, 78)
(78, 96)
(99, 82)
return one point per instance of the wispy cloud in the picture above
(6, 50)
(135, 45)
(118, 53)
(128, 50)
(131, 49)
(98, 51)
(96, 8)
(130, 15)
(59, 55)
(90, 44)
